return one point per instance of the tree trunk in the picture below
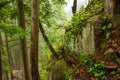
(34, 39)
(9, 57)
(112, 7)
(0, 55)
(109, 7)
(74, 8)
(47, 41)
(21, 21)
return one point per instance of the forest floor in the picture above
(110, 55)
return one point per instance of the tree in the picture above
(21, 22)
(9, 58)
(112, 7)
(47, 41)
(74, 8)
(34, 40)
(0, 55)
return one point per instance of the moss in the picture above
(95, 7)
(85, 15)
(58, 70)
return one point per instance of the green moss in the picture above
(59, 70)
(95, 6)
(80, 19)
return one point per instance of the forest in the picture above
(39, 40)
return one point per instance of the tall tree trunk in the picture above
(21, 21)
(74, 8)
(112, 7)
(34, 39)
(0, 55)
(9, 57)
(47, 41)
(109, 7)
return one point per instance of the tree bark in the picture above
(9, 57)
(74, 8)
(47, 41)
(0, 55)
(112, 7)
(34, 39)
(109, 7)
(21, 22)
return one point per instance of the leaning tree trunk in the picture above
(21, 21)
(34, 39)
(47, 41)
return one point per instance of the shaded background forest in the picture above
(39, 41)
